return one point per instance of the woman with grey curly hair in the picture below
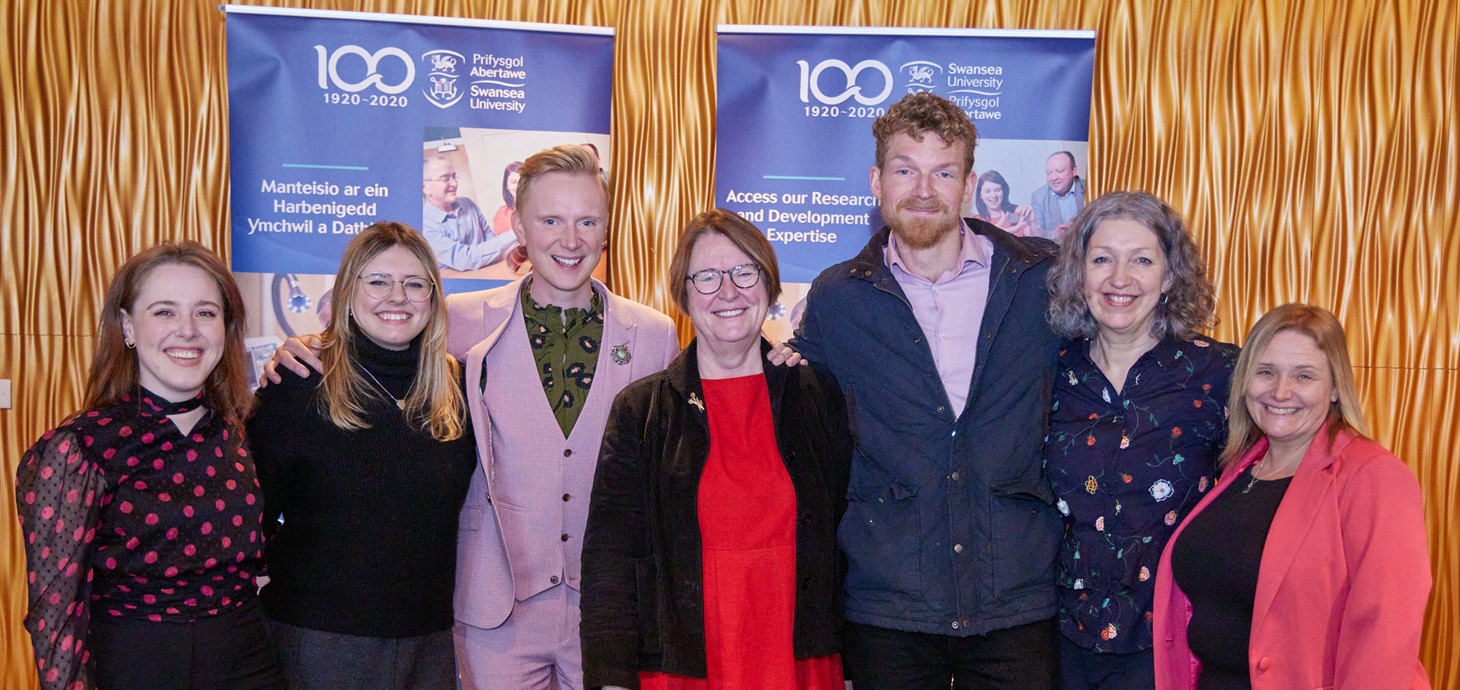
(1136, 424)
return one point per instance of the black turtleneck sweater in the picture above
(360, 525)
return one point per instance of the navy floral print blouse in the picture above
(1126, 467)
(124, 515)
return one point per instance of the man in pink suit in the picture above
(545, 356)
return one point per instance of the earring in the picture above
(130, 345)
(1165, 297)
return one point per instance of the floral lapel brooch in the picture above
(620, 354)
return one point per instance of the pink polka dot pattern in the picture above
(125, 516)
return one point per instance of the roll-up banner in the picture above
(794, 146)
(341, 119)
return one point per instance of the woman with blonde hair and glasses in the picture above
(364, 471)
(1306, 566)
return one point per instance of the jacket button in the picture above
(567, 496)
(955, 625)
(806, 518)
(957, 548)
(940, 408)
(954, 476)
(565, 537)
(553, 579)
(1264, 664)
(567, 452)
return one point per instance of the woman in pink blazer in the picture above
(1307, 566)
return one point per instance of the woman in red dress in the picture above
(710, 559)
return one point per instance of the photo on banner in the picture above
(802, 100)
(332, 115)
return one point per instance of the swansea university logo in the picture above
(921, 75)
(443, 68)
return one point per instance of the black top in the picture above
(129, 517)
(1215, 563)
(367, 541)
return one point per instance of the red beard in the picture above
(922, 232)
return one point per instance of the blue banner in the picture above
(341, 119)
(332, 116)
(794, 146)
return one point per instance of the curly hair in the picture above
(920, 113)
(1189, 303)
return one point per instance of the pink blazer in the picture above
(1343, 582)
(479, 321)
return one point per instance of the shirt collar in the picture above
(541, 311)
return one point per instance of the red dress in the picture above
(747, 511)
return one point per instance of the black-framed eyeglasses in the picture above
(708, 282)
(380, 285)
(444, 179)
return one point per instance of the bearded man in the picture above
(936, 332)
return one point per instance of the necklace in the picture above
(1255, 468)
(399, 404)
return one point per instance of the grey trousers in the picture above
(319, 660)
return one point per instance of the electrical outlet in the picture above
(4, 394)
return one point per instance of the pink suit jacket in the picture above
(1343, 582)
(485, 588)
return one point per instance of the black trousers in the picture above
(1082, 669)
(1023, 657)
(229, 651)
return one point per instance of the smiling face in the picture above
(1059, 172)
(1125, 274)
(921, 185)
(992, 195)
(1291, 391)
(731, 317)
(438, 184)
(393, 321)
(178, 328)
(562, 225)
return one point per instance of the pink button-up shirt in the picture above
(950, 310)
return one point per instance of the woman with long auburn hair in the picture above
(140, 513)
(364, 471)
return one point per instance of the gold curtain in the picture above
(1311, 144)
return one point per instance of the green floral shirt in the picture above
(565, 344)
